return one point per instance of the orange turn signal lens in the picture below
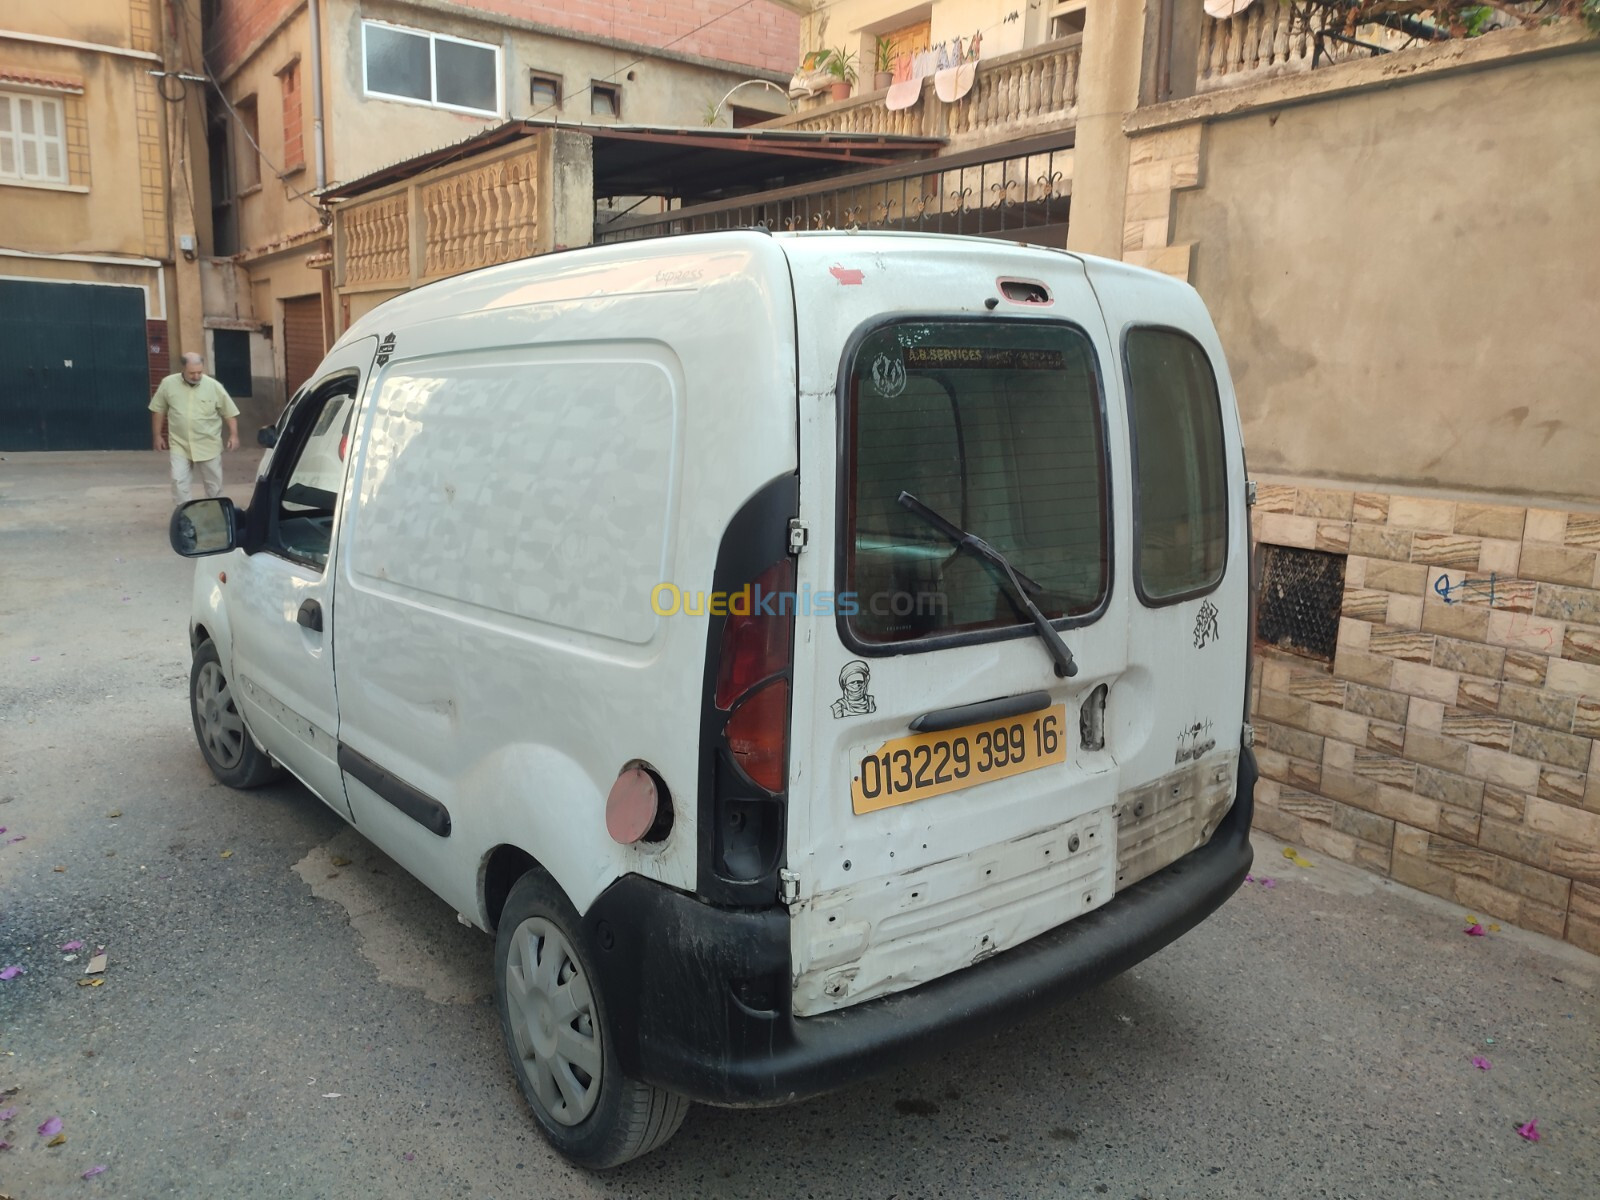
(758, 734)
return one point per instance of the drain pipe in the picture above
(315, 13)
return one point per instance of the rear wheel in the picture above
(554, 1021)
(224, 741)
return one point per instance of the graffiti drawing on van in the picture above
(888, 376)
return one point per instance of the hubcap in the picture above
(553, 1021)
(218, 721)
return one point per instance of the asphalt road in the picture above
(278, 1021)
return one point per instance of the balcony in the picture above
(1021, 94)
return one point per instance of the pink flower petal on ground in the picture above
(7, 1114)
(1247, 878)
(5, 1145)
(11, 972)
(1474, 931)
(1480, 1062)
(21, 837)
(2, 828)
(93, 1171)
(1530, 1130)
(50, 1128)
(1269, 883)
(72, 945)
(409, 1156)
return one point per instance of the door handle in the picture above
(310, 615)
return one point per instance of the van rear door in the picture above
(1189, 619)
(952, 793)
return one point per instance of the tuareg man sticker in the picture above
(853, 682)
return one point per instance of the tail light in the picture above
(744, 718)
(757, 645)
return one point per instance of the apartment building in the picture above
(103, 217)
(313, 93)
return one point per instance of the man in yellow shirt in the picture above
(186, 418)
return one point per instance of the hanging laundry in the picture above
(903, 93)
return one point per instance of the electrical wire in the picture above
(277, 171)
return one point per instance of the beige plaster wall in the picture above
(1405, 278)
(1108, 88)
(103, 215)
(104, 22)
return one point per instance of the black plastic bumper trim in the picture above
(700, 995)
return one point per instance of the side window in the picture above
(302, 520)
(1181, 471)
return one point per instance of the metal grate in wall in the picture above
(1298, 606)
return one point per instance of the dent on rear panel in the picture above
(894, 932)
(1159, 823)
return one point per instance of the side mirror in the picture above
(203, 527)
(267, 436)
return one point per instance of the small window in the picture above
(605, 100)
(996, 427)
(430, 68)
(1180, 467)
(33, 139)
(302, 523)
(1067, 17)
(544, 91)
(247, 160)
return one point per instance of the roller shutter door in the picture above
(302, 340)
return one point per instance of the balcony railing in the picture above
(1025, 92)
(1278, 37)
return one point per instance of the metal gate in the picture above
(74, 372)
(1018, 190)
(302, 341)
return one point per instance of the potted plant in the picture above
(841, 65)
(884, 73)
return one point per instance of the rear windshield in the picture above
(996, 426)
(1181, 488)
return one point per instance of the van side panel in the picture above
(546, 479)
(537, 456)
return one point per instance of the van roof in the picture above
(594, 270)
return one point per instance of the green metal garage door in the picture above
(74, 373)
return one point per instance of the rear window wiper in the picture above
(1019, 584)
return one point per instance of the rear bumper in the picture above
(699, 996)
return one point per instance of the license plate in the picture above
(930, 764)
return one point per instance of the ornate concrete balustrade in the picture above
(1032, 91)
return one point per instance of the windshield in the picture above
(995, 425)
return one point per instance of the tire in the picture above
(229, 750)
(550, 1009)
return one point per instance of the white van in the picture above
(799, 651)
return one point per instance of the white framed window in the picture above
(33, 138)
(430, 68)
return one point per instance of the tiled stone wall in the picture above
(1454, 745)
